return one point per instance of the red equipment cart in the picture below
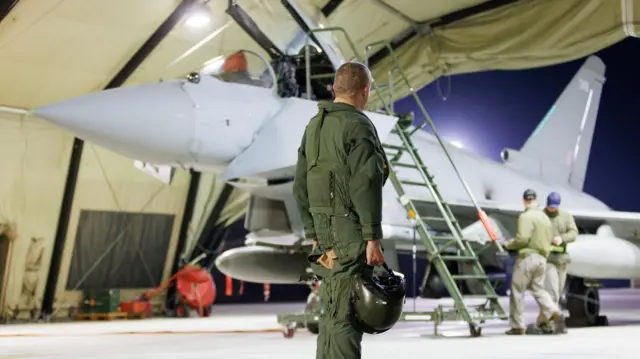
(195, 289)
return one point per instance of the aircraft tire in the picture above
(583, 304)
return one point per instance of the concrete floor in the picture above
(251, 332)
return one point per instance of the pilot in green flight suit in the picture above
(564, 231)
(340, 173)
(532, 242)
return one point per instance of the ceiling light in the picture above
(197, 20)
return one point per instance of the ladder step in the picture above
(395, 132)
(469, 276)
(412, 183)
(429, 178)
(482, 296)
(436, 219)
(427, 201)
(458, 258)
(443, 238)
(406, 165)
(394, 147)
(328, 75)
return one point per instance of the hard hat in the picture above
(235, 63)
(377, 302)
(553, 200)
(529, 195)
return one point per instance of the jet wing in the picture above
(623, 224)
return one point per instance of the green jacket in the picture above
(564, 226)
(341, 169)
(534, 233)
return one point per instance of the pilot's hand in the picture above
(557, 240)
(374, 254)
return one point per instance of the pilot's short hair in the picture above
(351, 78)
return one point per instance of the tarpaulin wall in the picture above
(119, 250)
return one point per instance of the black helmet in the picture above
(529, 195)
(377, 302)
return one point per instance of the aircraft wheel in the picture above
(433, 287)
(602, 321)
(313, 328)
(583, 304)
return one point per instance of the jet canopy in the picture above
(243, 67)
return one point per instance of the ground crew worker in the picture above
(338, 184)
(564, 231)
(532, 242)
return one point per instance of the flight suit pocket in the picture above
(349, 245)
(318, 268)
(320, 188)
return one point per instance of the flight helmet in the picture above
(377, 302)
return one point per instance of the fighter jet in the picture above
(242, 130)
(250, 126)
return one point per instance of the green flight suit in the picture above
(338, 184)
(533, 243)
(556, 274)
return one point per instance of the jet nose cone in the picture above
(151, 122)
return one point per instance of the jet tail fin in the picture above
(557, 151)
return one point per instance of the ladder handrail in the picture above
(427, 119)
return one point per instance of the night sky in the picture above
(489, 111)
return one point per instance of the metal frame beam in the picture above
(330, 7)
(213, 232)
(303, 25)
(76, 154)
(251, 28)
(183, 235)
(5, 7)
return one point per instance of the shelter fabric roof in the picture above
(52, 50)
